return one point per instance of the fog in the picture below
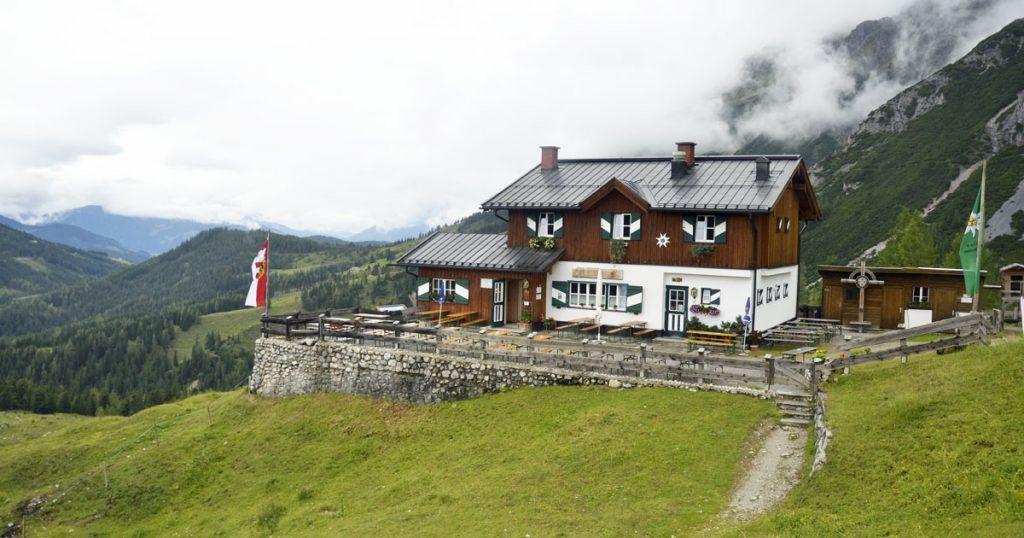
(338, 117)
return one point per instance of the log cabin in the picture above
(655, 241)
(903, 297)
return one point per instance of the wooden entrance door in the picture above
(675, 310)
(944, 303)
(894, 300)
(498, 303)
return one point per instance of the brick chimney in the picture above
(689, 148)
(548, 157)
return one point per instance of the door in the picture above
(894, 301)
(675, 310)
(944, 303)
(498, 303)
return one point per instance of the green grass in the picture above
(231, 323)
(548, 461)
(932, 448)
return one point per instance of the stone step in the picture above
(788, 421)
(798, 414)
(804, 406)
(791, 392)
(796, 411)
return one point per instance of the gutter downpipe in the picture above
(757, 262)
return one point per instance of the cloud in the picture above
(338, 117)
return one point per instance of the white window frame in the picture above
(614, 296)
(705, 224)
(546, 224)
(768, 294)
(676, 298)
(449, 287)
(1016, 284)
(705, 295)
(620, 228)
(921, 295)
(582, 294)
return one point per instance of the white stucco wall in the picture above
(735, 286)
(770, 314)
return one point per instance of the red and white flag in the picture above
(258, 289)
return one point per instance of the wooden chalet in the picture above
(894, 297)
(697, 236)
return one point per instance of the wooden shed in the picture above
(895, 296)
(1011, 279)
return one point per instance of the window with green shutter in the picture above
(634, 299)
(559, 294)
(606, 225)
(461, 291)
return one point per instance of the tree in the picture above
(911, 245)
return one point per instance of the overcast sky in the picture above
(338, 116)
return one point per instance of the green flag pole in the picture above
(976, 300)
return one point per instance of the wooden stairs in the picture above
(797, 407)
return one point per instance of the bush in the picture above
(269, 516)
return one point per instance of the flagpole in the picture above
(981, 241)
(267, 262)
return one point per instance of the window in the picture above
(778, 224)
(852, 294)
(1016, 284)
(705, 295)
(676, 300)
(760, 296)
(546, 224)
(785, 290)
(921, 295)
(615, 296)
(583, 294)
(705, 232)
(778, 291)
(622, 225)
(768, 295)
(787, 224)
(449, 287)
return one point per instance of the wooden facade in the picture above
(520, 294)
(581, 235)
(885, 304)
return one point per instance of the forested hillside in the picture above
(31, 265)
(910, 152)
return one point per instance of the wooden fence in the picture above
(964, 330)
(642, 360)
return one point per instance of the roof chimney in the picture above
(689, 148)
(762, 168)
(679, 166)
(548, 157)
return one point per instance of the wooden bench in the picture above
(458, 317)
(709, 338)
(589, 328)
(645, 332)
(801, 351)
(472, 322)
(860, 325)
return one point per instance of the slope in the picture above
(209, 270)
(907, 153)
(32, 265)
(544, 461)
(927, 449)
(75, 237)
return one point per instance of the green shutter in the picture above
(422, 288)
(606, 225)
(634, 230)
(689, 223)
(634, 299)
(721, 222)
(559, 294)
(461, 292)
(558, 224)
(716, 297)
(531, 225)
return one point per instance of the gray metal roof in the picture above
(478, 251)
(723, 183)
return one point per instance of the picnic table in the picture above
(574, 323)
(861, 325)
(431, 312)
(457, 317)
(628, 326)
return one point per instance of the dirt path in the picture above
(773, 470)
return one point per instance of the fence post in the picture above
(320, 327)
(643, 359)
(769, 370)
(903, 345)
(438, 337)
(814, 381)
(287, 330)
(529, 349)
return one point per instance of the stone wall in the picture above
(283, 368)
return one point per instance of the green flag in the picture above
(969, 259)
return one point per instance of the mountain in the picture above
(876, 57)
(375, 234)
(33, 265)
(923, 150)
(147, 234)
(79, 238)
(209, 271)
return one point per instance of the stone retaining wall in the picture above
(283, 368)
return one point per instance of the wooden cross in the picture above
(862, 277)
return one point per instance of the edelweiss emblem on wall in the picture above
(663, 240)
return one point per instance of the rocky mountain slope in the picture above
(80, 238)
(922, 150)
